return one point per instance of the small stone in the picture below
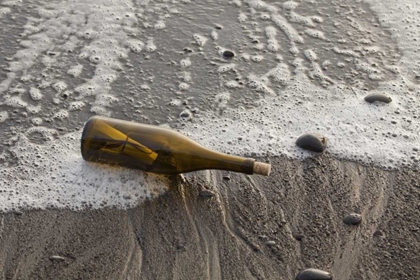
(270, 243)
(353, 219)
(185, 114)
(313, 274)
(226, 178)
(256, 247)
(206, 194)
(299, 237)
(57, 258)
(380, 97)
(262, 236)
(188, 50)
(312, 141)
(228, 54)
(181, 248)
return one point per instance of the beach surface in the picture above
(222, 225)
(243, 77)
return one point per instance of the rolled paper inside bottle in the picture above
(262, 168)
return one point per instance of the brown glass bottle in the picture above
(155, 149)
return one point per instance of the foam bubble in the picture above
(257, 58)
(226, 67)
(290, 5)
(150, 45)
(242, 17)
(233, 84)
(272, 43)
(345, 52)
(36, 121)
(35, 94)
(214, 35)
(137, 46)
(200, 39)
(76, 105)
(310, 55)
(75, 70)
(183, 86)
(315, 34)
(160, 24)
(4, 11)
(59, 86)
(33, 109)
(4, 115)
(15, 101)
(306, 21)
(185, 62)
(62, 114)
(185, 76)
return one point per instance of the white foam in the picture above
(185, 62)
(355, 129)
(200, 39)
(75, 70)
(55, 175)
(35, 94)
(226, 67)
(15, 101)
(4, 11)
(4, 115)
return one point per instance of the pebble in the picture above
(313, 274)
(127, 196)
(352, 219)
(270, 243)
(299, 237)
(228, 54)
(185, 115)
(206, 194)
(57, 258)
(312, 141)
(380, 97)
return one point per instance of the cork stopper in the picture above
(262, 168)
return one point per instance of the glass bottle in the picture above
(156, 149)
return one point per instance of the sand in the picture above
(242, 227)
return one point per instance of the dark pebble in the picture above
(186, 114)
(352, 219)
(206, 194)
(226, 178)
(299, 237)
(188, 50)
(228, 54)
(380, 97)
(181, 248)
(312, 141)
(313, 274)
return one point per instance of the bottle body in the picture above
(152, 148)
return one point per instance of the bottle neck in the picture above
(217, 160)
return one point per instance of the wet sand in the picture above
(253, 227)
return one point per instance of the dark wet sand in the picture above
(181, 235)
